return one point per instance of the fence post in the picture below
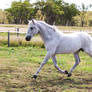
(8, 39)
(17, 32)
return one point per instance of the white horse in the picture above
(58, 43)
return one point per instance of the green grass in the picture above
(18, 64)
(21, 60)
(20, 41)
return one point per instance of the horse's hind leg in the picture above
(77, 61)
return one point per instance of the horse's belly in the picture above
(65, 51)
(68, 47)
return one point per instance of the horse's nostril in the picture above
(27, 38)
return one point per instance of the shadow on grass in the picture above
(64, 83)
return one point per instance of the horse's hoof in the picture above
(69, 75)
(66, 72)
(34, 76)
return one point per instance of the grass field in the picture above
(18, 64)
(20, 61)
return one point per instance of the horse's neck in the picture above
(46, 32)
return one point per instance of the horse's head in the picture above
(32, 29)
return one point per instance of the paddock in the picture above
(16, 70)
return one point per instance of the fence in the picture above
(18, 32)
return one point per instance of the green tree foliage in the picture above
(39, 15)
(83, 13)
(69, 12)
(3, 18)
(20, 12)
(52, 11)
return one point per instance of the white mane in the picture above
(44, 23)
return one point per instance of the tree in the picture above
(39, 15)
(9, 17)
(3, 18)
(50, 9)
(55, 11)
(20, 11)
(39, 9)
(83, 12)
(69, 12)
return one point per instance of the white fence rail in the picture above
(23, 32)
(18, 32)
(13, 32)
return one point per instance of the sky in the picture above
(7, 3)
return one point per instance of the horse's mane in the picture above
(51, 27)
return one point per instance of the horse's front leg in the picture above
(48, 55)
(56, 66)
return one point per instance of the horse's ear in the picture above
(33, 21)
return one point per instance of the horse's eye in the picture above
(31, 28)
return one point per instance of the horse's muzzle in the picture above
(28, 38)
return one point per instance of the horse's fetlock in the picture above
(34, 76)
(66, 72)
(69, 75)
